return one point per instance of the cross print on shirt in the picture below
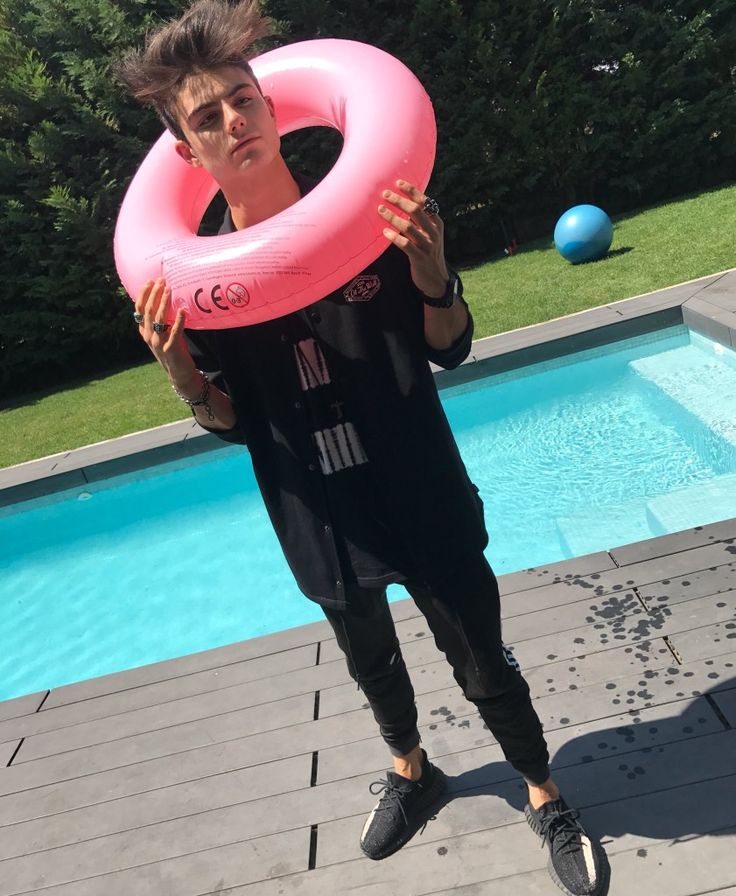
(338, 447)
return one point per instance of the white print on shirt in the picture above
(312, 366)
(339, 448)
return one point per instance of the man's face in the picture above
(229, 125)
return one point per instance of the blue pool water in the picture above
(576, 455)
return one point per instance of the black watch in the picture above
(452, 291)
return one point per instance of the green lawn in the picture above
(652, 249)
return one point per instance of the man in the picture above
(354, 457)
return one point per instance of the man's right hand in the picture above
(168, 347)
(171, 351)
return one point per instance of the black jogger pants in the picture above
(464, 615)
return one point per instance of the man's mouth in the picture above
(244, 142)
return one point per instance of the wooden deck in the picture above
(245, 770)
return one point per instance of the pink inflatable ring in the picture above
(316, 245)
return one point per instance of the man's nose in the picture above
(234, 118)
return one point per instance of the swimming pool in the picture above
(575, 455)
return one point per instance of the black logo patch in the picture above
(363, 288)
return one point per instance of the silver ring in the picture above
(137, 317)
(431, 207)
(159, 327)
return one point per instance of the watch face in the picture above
(451, 292)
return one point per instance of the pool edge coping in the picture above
(706, 305)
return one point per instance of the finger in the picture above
(404, 203)
(414, 208)
(414, 192)
(154, 297)
(406, 226)
(142, 297)
(162, 312)
(176, 329)
(406, 245)
(418, 196)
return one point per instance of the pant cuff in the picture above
(405, 745)
(537, 775)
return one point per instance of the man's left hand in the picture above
(421, 237)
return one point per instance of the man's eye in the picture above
(207, 120)
(243, 100)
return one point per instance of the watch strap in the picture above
(452, 291)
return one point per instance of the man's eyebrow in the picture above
(231, 93)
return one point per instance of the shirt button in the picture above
(297, 405)
(311, 468)
(338, 583)
(315, 318)
(283, 337)
(327, 528)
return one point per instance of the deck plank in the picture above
(20, 707)
(664, 545)
(59, 796)
(257, 680)
(705, 641)
(73, 823)
(689, 587)
(193, 716)
(7, 751)
(726, 702)
(241, 651)
(210, 870)
(552, 573)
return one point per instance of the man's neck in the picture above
(265, 194)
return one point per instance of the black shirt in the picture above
(350, 446)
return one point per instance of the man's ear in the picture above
(271, 107)
(184, 150)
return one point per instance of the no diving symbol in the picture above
(237, 295)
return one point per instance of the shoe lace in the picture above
(392, 796)
(561, 830)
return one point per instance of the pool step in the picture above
(697, 381)
(694, 505)
(594, 528)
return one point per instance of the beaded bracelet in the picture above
(204, 395)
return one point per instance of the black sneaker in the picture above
(403, 808)
(578, 865)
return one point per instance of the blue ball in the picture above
(583, 233)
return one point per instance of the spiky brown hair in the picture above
(211, 34)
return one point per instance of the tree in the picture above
(539, 104)
(69, 143)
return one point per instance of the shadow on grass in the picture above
(31, 399)
(613, 253)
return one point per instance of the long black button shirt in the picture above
(350, 445)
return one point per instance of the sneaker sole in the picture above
(605, 869)
(433, 794)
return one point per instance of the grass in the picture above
(91, 411)
(652, 249)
